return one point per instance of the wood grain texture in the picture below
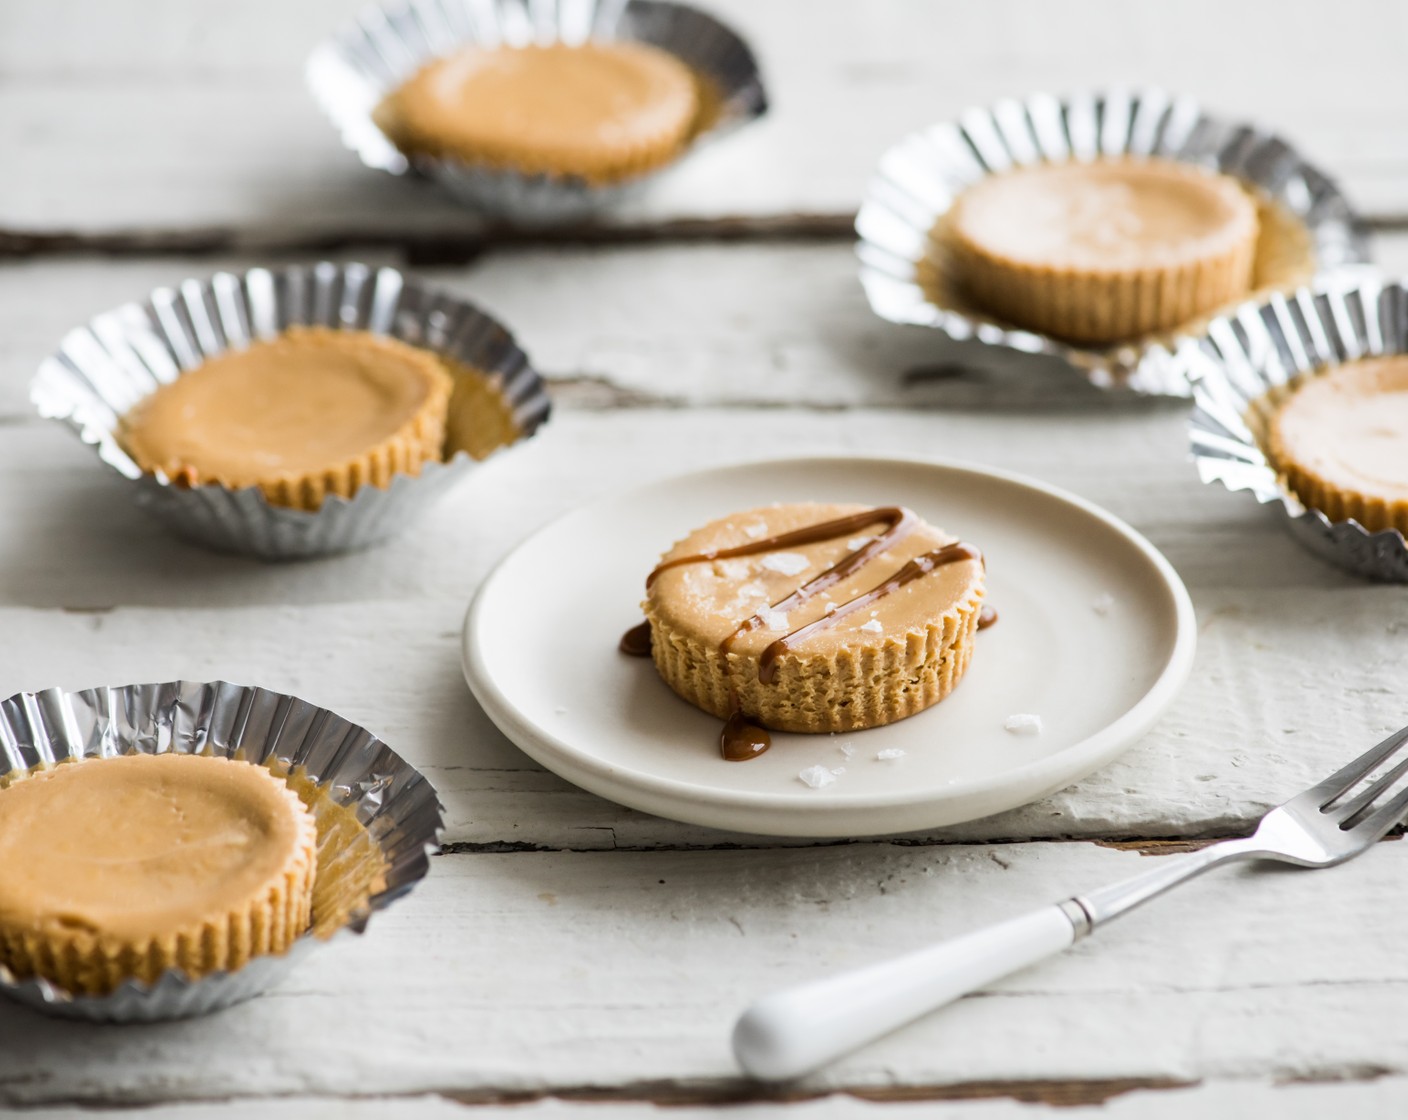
(572, 958)
(529, 973)
(177, 120)
(1223, 1100)
(1257, 719)
(666, 326)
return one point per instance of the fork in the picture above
(792, 1032)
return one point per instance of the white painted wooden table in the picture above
(582, 957)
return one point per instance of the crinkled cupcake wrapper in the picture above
(352, 72)
(918, 180)
(392, 800)
(1265, 346)
(106, 367)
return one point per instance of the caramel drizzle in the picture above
(915, 569)
(898, 522)
(741, 738)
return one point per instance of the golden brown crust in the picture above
(878, 667)
(601, 111)
(849, 690)
(1112, 286)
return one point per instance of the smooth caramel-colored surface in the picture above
(139, 846)
(599, 110)
(1107, 215)
(711, 599)
(1342, 440)
(307, 401)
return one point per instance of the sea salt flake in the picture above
(1023, 724)
(838, 770)
(817, 776)
(1103, 602)
(875, 626)
(847, 749)
(788, 563)
(889, 754)
(732, 569)
(830, 608)
(756, 530)
(858, 542)
(773, 620)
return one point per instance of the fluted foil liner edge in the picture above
(351, 72)
(392, 800)
(918, 179)
(1269, 344)
(104, 368)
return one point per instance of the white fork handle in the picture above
(790, 1033)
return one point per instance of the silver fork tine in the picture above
(1351, 809)
(1381, 820)
(1347, 776)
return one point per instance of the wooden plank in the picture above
(530, 973)
(97, 594)
(1222, 1100)
(193, 121)
(739, 325)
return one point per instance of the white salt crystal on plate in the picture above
(817, 776)
(1023, 724)
(847, 749)
(788, 563)
(889, 754)
(875, 626)
(1103, 602)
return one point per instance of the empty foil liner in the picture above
(907, 281)
(106, 367)
(393, 802)
(1257, 354)
(352, 72)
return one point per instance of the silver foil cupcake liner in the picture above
(352, 72)
(103, 369)
(919, 178)
(1261, 349)
(395, 804)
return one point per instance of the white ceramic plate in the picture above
(540, 656)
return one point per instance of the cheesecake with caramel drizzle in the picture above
(811, 617)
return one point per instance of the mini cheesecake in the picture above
(122, 868)
(311, 413)
(741, 624)
(601, 111)
(1340, 442)
(1106, 251)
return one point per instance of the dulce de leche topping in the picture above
(811, 617)
(307, 401)
(599, 110)
(811, 576)
(1347, 430)
(140, 846)
(1108, 215)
